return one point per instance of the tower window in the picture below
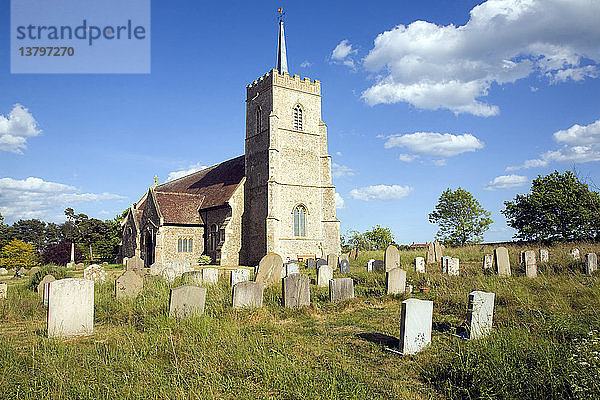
(300, 221)
(258, 120)
(298, 118)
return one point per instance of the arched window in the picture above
(258, 120)
(298, 117)
(300, 221)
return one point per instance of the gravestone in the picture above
(438, 250)
(575, 254)
(248, 294)
(94, 273)
(269, 270)
(320, 262)
(420, 265)
(290, 268)
(430, 256)
(79, 266)
(591, 263)
(239, 275)
(3, 271)
(395, 281)
(71, 264)
(311, 264)
(168, 274)
(444, 264)
(333, 260)
(501, 261)
(480, 313)
(341, 289)
(194, 277)
(544, 256)
(530, 264)
(416, 320)
(210, 276)
(452, 266)
(128, 285)
(46, 279)
(324, 275)
(157, 268)
(3, 290)
(391, 258)
(136, 264)
(378, 265)
(33, 270)
(187, 301)
(488, 262)
(370, 265)
(71, 308)
(344, 266)
(343, 257)
(296, 291)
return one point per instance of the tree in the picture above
(559, 207)
(60, 254)
(380, 237)
(461, 218)
(17, 254)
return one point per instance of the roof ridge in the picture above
(202, 170)
(180, 193)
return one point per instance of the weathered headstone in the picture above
(320, 262)
(289, 269)
(71, 308)
(575, 254)
(269, 269)
(530, 264)
(136, 264)
(94, 273)
(420, 265)
(128, 285)
(46, 279)
(395, 281)
(248, 294)
(438, 250)
(391, 258)
(33, 270)
(501, 261)
(488, 262)
(378, 265)
(296, 291)
(430, 256)
(3, 290)
(453, 266)
(311, 264)
(210, 276)
(3, 271)
(157, 268)
(341, 289)
(239, 275)
(344, 266)
(416, 320)
(168, 274)
(333, 260)
(370, 265)
(194, 277)
(324, 275)
(480, 313)
(187, 301)
(544, 256)
(591, 263)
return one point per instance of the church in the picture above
(277, 197)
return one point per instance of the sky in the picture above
(418, 97)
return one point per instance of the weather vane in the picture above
(155, 179)
(281, 13)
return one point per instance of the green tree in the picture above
(461, 218)
(358, 240)
(17, 254)
(380, 237)
(559, 207)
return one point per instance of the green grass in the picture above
(541, 346)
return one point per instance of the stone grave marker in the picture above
(296, 291)
(591, 263)
(453, 266)
(370, 265)
(94, 273)
(269, 270)
(239, 275)
(430, 256)
(136, 264)
(341, 289)
(168, 274)
(544, 256)
(71, 308)
(194, 277)
(324, 275)
(248, 294)
(3, 290)
(438, 250)
(46, 279)
(311, 264)
(488, 262)
(343, 257)
(128, 285)
(187, 301)
(378, 265)
(344, 266)
(575, 254)
(289, 269)
(320, 262)
(3, 271)
(22, 272)
(33, 270)
(416, 321)
(501, 261)
(480, 313)
(391, 258)
(157, 268)
(79, 266)
(395, 281)
(420, 265)
(530, 264)
(210, 276)
(333, 260)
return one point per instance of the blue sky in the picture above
(418, 97)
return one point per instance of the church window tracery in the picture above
(300, 221)
(298, 117)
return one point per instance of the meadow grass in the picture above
(544, 344)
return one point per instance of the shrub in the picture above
(204, 260)
(56, 272)
(17, 254)
(60, 254)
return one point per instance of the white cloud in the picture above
(506, 182)
(338, 153)
(527, 164)
(183, 172)
(440, 163)
(305, 64)
(435, 144)
(342, 54)
(580, 135)
(407, 157)
(381, 192)
(339, 171)
(339, 201)
(16, 128)
(453, 67)
(36, 198)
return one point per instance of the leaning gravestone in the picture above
(128, 285)
(324, 275)
(3, 290)
(311, 264)
(333, 260)
(480, 314)
(194, 277)
(430, 256)
(71, 308)
(239, 275)
(210, 276)
(501, 261)
(452, 266)
(391, 258)
(575, 254)
(544, 256)
(46, 279)
(344, 266)
(370, 265)
(378, 265)
(295, 291)
(341, 289)
(530, 264)
(269, 270)
(420, 265)
(591, 263)
(416, 320)
(248, 294)
(187, 301)
(488, 262)
(395, 281)
(94, 273)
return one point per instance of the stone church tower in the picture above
(289, 197)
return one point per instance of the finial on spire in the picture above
(155, 180)
(281, 53)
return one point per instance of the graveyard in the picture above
(543, 342)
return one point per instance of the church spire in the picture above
(281, 54)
